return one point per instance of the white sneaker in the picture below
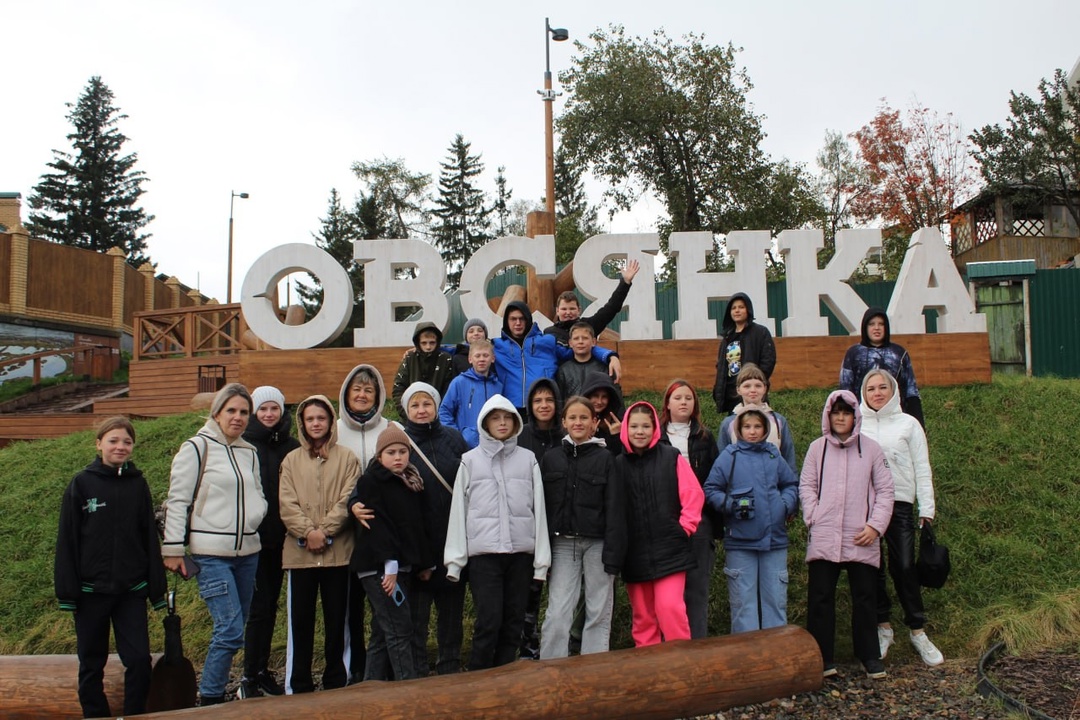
(884, 640)
(927, 650)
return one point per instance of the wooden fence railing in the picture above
(97, 358)
(189, 332)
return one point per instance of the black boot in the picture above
(268, 683)
(206, 700)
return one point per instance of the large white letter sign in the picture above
(806, 284)
(383, 292)
(257, 295)
(641, 324)
(929, 279)
(747, 248)
(538, 253)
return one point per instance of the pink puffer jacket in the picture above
(844, 487)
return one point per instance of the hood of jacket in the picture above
(729, 325)
(892, 407)
(276, 435)
(826, 427)
(602, 381)
(380, 400)
(869, 315)
(553, 387)
(305, 441)
(423, 327)
(624, 435)
(530, 326)
(489, 443)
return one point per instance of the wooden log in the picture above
(47, 686)
(564, 280)
(671, 680)
(513, 293)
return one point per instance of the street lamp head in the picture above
(244, 196)
(558, 34)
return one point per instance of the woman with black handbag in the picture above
(904, 442)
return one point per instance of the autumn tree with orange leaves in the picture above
(919, 168)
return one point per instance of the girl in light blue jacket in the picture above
(754, 489)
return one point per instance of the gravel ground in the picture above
(911, 690)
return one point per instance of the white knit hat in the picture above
(265, 394)
(420, 387)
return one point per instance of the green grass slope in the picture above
(1006, 472)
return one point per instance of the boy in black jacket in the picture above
(108, 562)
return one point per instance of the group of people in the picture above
(516, 470)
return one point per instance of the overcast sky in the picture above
(278, 99)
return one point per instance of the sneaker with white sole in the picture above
(926, 649)
(884, 639)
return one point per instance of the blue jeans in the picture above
(757, 588)
(226, 584)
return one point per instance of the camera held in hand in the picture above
(744, 508)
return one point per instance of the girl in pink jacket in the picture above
(846, 491)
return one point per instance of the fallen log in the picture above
(47, 686)
(672, 680)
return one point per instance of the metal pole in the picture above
(228, 296)
(549, 131)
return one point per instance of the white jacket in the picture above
(230, 505)
(357, 436)
(904, 443)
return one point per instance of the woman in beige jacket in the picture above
(316, 480)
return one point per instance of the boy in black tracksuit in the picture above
(108, 562)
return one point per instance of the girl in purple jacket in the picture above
(846, 491)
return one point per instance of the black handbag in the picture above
(933, 565)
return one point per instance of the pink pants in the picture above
(659, 611)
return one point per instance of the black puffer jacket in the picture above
(583, 497)
(444, 447)
(271, 445)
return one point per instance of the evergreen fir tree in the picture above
(337, 231)
(91, 200)
(576, 219)
(503, 196)
(463, 224)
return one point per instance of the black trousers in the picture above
(259, 633)
(331, 585)
(449, 601)
(899, 547)
(500, 590)
(821, 608)
(355, 629)
(127, 614)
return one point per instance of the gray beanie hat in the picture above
(265, 394)
(475, 322)
(420, 387)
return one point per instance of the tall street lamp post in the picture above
(232, 198)
(548, 96)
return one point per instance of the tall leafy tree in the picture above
(399, 193)
(652, 115)
(1040, 145)
(919, 168)
(841, 182)
(464, 222)
(91, 200)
